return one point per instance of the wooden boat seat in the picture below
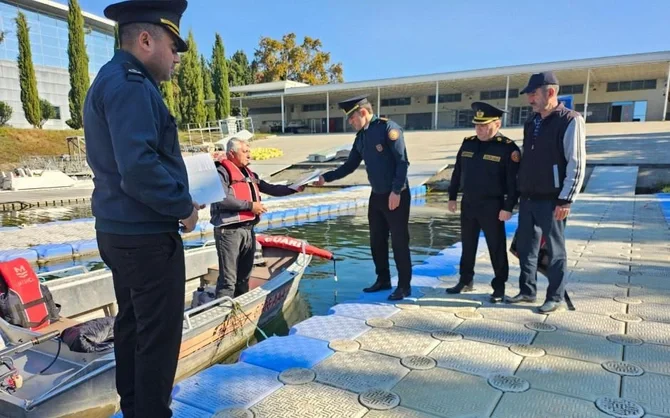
(60, 325)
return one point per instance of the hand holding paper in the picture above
(306, 179)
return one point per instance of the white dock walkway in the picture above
(459, 356)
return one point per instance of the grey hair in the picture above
(129, 32)
(546, 88)
(234, 144)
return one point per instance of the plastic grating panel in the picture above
(420, 281)
(282, 353)
(363, 310)
(84, 246)
(53, 250)
(434, 270)
(182, 410)
(29, 254)
(239, 385)
(331, 327)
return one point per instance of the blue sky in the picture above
(381, 39)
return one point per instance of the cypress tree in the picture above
(220, 79)
(29, 97)
(78, 65)
(192, 97)
(117, 42)
(207, 88)
(168, 96)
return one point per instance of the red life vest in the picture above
(24, 301)
(244, 186)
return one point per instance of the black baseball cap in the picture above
(539, 80)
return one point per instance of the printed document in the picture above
(307, 178)
(203, 180)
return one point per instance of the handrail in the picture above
(190, 312)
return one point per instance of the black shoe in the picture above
(497, 296)
(400, 293)
(460, 287)
(378, 286)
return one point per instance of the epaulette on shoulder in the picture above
(470, 138)
(384, 119)
(503, 138)
(132, 73)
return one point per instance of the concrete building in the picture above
(610, 89)
(47, 21)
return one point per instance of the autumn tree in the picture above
(285, 59)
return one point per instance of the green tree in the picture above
(285, 59)
(78, 65)
(239, 70)
(191, 97)
(117, 42)
(48, 111)
(5, 113)
(29, 97)
(168, 96)
(207, 88)
(220, 79)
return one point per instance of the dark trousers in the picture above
(149, 282)
(536, 219)
(479, 214)
(382, 221)
(236, 248)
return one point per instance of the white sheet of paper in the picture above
(203, 180)
(308, 178)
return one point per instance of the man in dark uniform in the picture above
(486, 170)
(380, 143)
(141, 195)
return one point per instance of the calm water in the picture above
(45, 215)
(432, 229)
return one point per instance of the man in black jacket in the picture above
(551, 175)
(486, 170)
(234, 218)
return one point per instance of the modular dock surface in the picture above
(439, 355)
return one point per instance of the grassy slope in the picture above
(17, 144)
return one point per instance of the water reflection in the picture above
(44, 215)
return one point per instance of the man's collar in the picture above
(372, 119)
(560, 106)
(121, 56)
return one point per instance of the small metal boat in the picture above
(57, 382)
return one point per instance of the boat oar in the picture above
(28, 344)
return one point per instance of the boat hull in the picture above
(204, 343)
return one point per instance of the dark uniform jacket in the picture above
(487, 169)
(222, 213)
(141, 185)
(382, 147)
(554, 160)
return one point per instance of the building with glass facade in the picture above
(47, 22)
(626, 88)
